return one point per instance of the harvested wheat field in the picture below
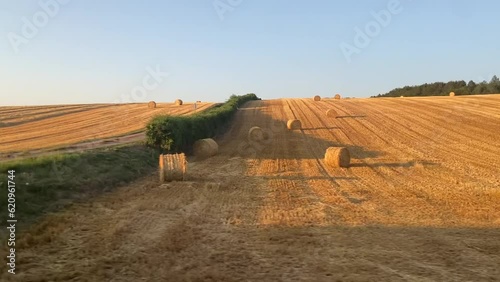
(420, 201)
(41, 127)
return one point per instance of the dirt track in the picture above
(421, 202)
(36, 129)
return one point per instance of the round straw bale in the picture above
(172, 167)
(331, 113)
(294, 124)
(337, 96)
(452, 94)
(178, 102)
(205, 148)
(255, 134)
(317, 98)
(152, 104)
(337, 157)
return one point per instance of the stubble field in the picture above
(34, 129)
(420, 202)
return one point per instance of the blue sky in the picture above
(92, 51)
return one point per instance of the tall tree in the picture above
(494, 85)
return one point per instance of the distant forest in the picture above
(442, 89)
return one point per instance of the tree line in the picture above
(442, 89)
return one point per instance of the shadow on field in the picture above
(301, 177)
(319, 128)
(351, 116)
(404, 164)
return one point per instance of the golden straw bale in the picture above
(337, 157)
(294, 124)
(255, 134)
(172, 167)
(205, 148)
(331, 113)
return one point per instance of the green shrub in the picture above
(178, 133)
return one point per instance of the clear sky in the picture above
(98, 51)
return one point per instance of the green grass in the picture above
(47, 184)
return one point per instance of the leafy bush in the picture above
(178, 133)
